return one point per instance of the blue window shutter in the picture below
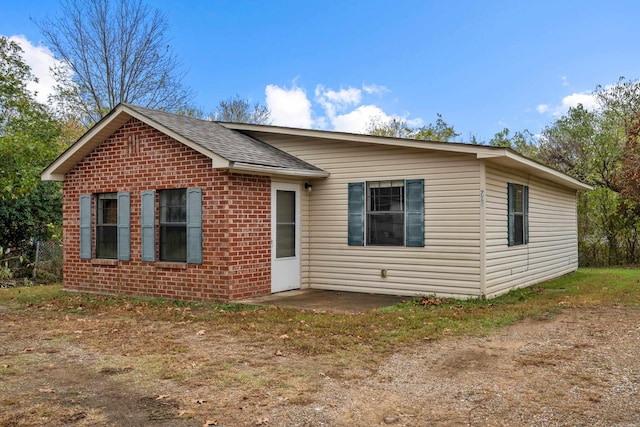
(355, 227)
(85, 226)
(525, 207)
(124, 226)
(510, 207)
(194, 225)
(415, 212)
(147, 220)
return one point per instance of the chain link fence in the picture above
(40, 262)
(47, 266)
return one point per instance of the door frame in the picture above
(286, 272)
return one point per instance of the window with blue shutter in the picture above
(525, 205)
(107, 226)
(181, 225)
(194, 226)
(386, 213)
(124, 226)
(147, 219)
(85, 226)
(173, 225)
(355, 227)
(518, 214)
(415, 212)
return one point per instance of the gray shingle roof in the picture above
(227, 143)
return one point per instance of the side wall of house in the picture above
(553, 244)
(447, 265)
(236, 231)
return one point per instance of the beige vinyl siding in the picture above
(553, 246)
(448, 265)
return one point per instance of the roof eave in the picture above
(275, 171)
(480, 151)
(217, 160)
(545, 171)
(455, 147)
(83, 146)
(105, 128)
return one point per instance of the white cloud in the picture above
(41, 60)
(374, 88)
(358, 120)
(343, 97)
(565, 81)
(542, 108)
(289, 107)
(588, 101)
(341, 110)
(334, 102)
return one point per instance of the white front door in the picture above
(285, 236)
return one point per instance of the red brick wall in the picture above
(236, 221)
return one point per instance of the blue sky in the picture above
(484, 65)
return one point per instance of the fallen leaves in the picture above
(209, 423)
(433, 301)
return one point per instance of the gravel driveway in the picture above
(579, 368)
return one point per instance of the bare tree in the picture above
(240, 110)
(115, 51)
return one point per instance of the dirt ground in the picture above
(581, 367)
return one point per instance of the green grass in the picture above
(315, 333)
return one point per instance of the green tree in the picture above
(440, 131)
(583, 144)
(394, 128)
(600, 147)
(621, 105)
(398, 128)
(523, 142)
(29, 140)
(113, 51)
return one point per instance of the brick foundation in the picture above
(236, 221)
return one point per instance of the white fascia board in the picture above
(48, 176)
(574, 183)
(57, 167)
(270, 170)
(491, 154)
(65, 162)
(480, 151)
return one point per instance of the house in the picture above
(161, 205)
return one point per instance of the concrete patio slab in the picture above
(321, 300)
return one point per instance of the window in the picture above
(112, 226)
(386, 213)
(180, 221)
(285, 224)
(107, 226)
(173, 225)
(518, 220)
